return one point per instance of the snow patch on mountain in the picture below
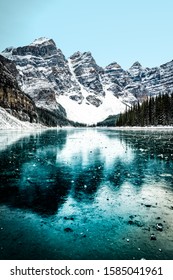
(82, 109)
(88, 113)
(41, 40)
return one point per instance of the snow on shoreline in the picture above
(8, 121)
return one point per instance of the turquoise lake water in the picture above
(86, 194)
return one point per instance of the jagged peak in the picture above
(8, 50)
(79, 54)
(76, 55)
(113, 65)
(167, 64)
(42, 41)
(87, 53)
(136, 65)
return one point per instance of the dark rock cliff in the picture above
(12, 98)
(21, 105)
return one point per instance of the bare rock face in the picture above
(20, 105)
(93, 100)
(115, 75)
(137, 82)
(11, 97)
(87, 72)
(115, 79)
(150, 81)
(43, 72)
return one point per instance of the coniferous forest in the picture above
(153, 111)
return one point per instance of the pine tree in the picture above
(153, 111)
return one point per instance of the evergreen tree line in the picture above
(153, 111)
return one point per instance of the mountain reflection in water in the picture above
(46, 172)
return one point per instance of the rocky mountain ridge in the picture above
(20, 105)
(79, 89)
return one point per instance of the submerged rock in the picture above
(69, 218)
(153, 237)
(135, 223)
(132, 216)
(147, 228)
(159, 227)
(68, 230)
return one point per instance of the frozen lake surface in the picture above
(86, 194)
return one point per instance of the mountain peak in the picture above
(79, 54)
(42, 41)
(113, 65)
(76, 55)
(136, 65)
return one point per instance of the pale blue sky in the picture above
(113, 30)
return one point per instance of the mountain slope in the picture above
(11, 97)
(8, 121)
(21, 106)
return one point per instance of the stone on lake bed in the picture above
(69, 218)
(68, 230)
(135, 223)
(147, 228)
(148, 205)
(159, 227)
(130, 222)
(153, 237)
(132, 216)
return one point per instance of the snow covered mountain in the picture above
(18, 110)
(78, 87)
